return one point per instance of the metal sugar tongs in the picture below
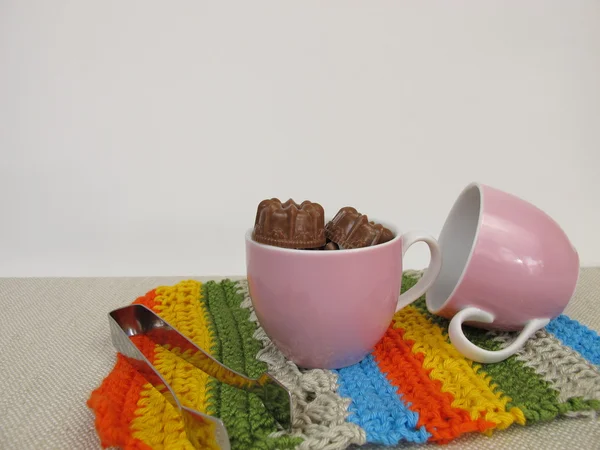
(201, 429)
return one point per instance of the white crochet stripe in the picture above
(564, 369)
(319, 411)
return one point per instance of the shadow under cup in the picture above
(324, 308)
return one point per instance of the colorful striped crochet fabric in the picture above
(414, 386)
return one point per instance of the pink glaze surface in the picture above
(324, 309)
(522, 265)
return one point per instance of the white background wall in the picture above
(137, 137)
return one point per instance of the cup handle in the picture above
(430, 275)
(475, 353)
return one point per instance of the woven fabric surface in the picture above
(57, 349)
(414, 387)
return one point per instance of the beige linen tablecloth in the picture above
(56, 348)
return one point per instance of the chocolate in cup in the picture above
(351, 229)
(331, 246)
(289, 224)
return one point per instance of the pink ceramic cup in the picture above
(328, 309)
(506, 265)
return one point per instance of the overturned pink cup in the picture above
(506, 265)
(328, 309)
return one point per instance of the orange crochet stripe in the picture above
(115, 400)
(148, 300)
(405, 370)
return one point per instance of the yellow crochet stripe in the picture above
(459, 376)
(157, 423)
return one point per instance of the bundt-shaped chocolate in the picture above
(289, 224)
(351, 229)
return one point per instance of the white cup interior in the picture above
(456, 241)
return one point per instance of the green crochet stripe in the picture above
(248, 423)
(526, 389)
(213, 386)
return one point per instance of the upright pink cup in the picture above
(506, 265)
(328, 309)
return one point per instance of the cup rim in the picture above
(330, 254)
(480, 188)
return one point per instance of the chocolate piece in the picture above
(351, 229)
(331, 246)
(289, 224)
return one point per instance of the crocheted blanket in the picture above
(414, 386)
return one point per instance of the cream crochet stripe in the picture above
(563, 368)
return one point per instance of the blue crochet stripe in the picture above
(577, 336)
(376, 405)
